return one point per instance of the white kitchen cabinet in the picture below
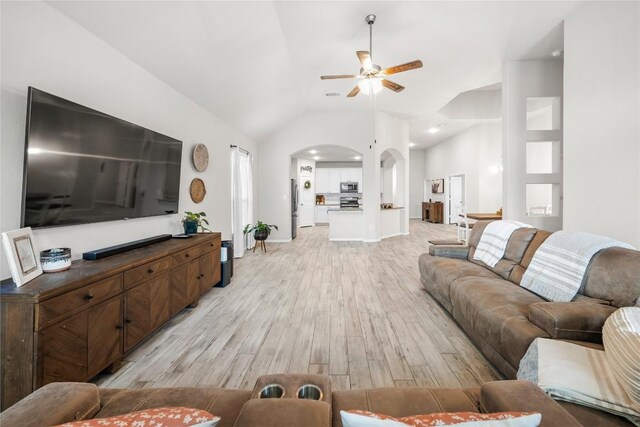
(328, 179)
(334, 180)
(322, 216)
(322, 180)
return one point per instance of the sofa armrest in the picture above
(571, 320)
(524, 396)
(449, 251)
(54, 404)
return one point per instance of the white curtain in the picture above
(242, 199)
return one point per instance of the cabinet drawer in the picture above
(210, 245)
(184, 256)
(55, 308)
(146, 271)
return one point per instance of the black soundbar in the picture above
(118, 249)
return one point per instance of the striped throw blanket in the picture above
(494, 239)
(559, 265)
(576, 374)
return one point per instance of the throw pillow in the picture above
(165, 417)
(357, 418)
(621, 338)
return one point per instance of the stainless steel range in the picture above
(349, 202)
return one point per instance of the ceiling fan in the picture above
(373, 77)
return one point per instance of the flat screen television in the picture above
(83, 166)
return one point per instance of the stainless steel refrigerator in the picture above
(294, 208)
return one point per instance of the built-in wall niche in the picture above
(543, 157)
(542, 200)
(544, 113)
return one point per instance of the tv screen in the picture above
(84, 166)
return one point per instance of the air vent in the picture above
(333, 94)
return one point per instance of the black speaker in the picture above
(124, 247)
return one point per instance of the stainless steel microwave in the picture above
(349, 187)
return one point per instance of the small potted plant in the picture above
(194, 220)
(260, 232)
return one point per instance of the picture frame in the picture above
(23, 260)
(437, 186)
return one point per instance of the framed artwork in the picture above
(23, 261)
(437, 186)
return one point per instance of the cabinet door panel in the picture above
(206, 273)
(334, 180)
(194, 279)
(137, 317)
(160, 301)
(64, 351)
(104, 343)
(322, 180)
(179, 286)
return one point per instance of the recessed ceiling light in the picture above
(557, 53)
(313, 151)
(357, 158)
(316, 158)
(412, 144)
(433, 130)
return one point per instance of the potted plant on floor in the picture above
(260, 232)
(192, 221)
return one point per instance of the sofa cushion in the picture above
(401, 402)
(437, 274)
(55, 403)
(536, 241)
(499, 396)
(513, 254)
(224, 403)
(571, 320)
(614, 275)
(498, 311)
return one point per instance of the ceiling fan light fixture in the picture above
(369, 85)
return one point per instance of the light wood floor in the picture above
(354, 311)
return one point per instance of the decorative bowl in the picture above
(55, 259)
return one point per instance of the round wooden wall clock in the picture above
(200, 157)
(197, 190)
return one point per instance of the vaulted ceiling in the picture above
(257, 64)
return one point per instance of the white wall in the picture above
(392, 134)
(348, 129)
(474, 152)
(45, 49)
(522, 80)
(601, 120)
(416, 182)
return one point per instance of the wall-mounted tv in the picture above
(84, 166)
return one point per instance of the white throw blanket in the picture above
(576, 374)
(559, 265)
(494, 239)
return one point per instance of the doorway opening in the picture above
(456, 197)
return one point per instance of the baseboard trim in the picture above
(371, 240)
(345, 240)
(278, 240)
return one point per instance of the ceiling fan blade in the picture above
(401, 68)
(365, 59)
(391, 85)
(354, 92)
(339, 76)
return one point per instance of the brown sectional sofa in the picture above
(63, 402)
(502, 318)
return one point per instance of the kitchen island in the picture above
(345, 224)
